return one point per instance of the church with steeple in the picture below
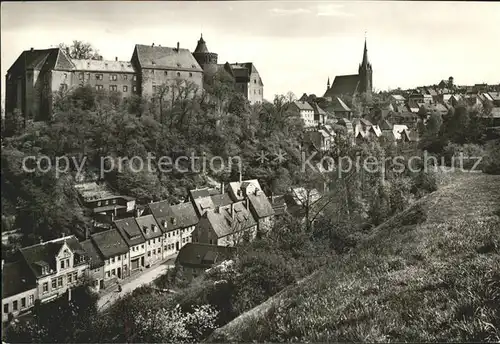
(352, 84)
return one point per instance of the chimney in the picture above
(153, 45)
(232, 210)
(217, 209)
(222, 187)
(3, 262)
(136, 212)
(177, 46)
(164, 223)
(87, 233)
(31, 49)
(247, 203)
(116, 58)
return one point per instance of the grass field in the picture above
(431, 273)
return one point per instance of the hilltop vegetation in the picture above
(414, 278)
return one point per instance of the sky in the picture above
(294, 45)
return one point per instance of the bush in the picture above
(491, 161)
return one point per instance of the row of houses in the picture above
(210, 216)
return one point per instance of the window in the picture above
(98, 87)
(113, 272)
(112, 260)
(54, 284)
(178, 74)
(70, 278)
(75, 276)
(6, 308)
(14, 305)
(142, 246)
(154, 252)
(80, 76)
(96, 270)
(166, 73)
(125, 89)
(134, 88)
(254, 81)
(125, 76)
(134, 77)
(118, 258)
(31, 299)
(154, 88)
(67, 262)
(113, 77)
(107, 274)
(62, 264)
(149, 253)
(113, 88)
(60, 282)
(191, 75)
(98, 76)
(64, 87)
(46, 287)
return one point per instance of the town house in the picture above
(226, 226)
(96, 265)
(305, 111)
(153, 236)
(131, 233)
(57, 265)
(19, 289)
(177, 223)
(114, 252)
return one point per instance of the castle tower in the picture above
(206, 59)
(365, 73)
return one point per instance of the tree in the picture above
(81, 50)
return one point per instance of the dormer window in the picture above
(154, 228)
(178, 65)
(146, 229)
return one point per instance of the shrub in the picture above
(491, 161)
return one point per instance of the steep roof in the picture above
(103, 65)
(223, 223)
(317, 109)
(46, 59)
(221, 200)
(235, 186)
(148, 224)
(343, 84)
(16, 278)
(260, 204)
(95, 259)
(176, 216)
(157, 57)
(130, 231)
(303, 106)
(44, 254)
(201, 47)
(203, 255)
(339, 105)
(385, 125)
(109, 243)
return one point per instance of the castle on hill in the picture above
(37, 75)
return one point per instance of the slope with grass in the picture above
(431, 273)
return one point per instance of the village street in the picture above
(144, 278)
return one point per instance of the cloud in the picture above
(331, 10)
(288, 12)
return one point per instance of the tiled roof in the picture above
(385, 125)
(234, 187)
(130, 231)
(221, 200)
(494, 95)
(157, 57)
(303, 105)
(16, 278)
(148, 224)
(343, 84)
(201, 47)
(184, 215)
(339, 105)
(317, 109)
(203, 255)
(224, 224)
(398, 97)
(46, 59)
(109, 243)
(45, 253)
(260, 204)
(95, 259)
(103, 66)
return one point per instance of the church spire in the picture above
(365, 55)
(328, 84)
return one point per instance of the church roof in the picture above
(343, 84)
(339, 105)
